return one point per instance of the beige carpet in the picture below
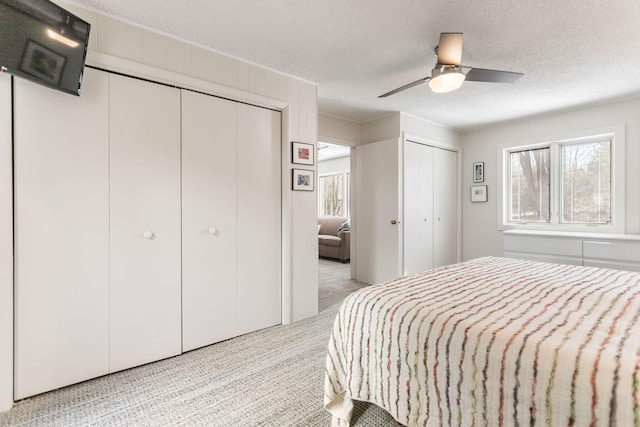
(334, 283)
(272, 377)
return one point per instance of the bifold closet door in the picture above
(209, 280)
(430, 207)
(61, 157)
(418, 207)
(445, 205)
(259, 218)
(144, 222)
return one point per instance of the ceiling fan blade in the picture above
(492, 76)
(407, 86)
(450, 49)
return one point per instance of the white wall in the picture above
(415, 126)
(481, 236)
(381, 129)
(340, 164)
(6, 247)
(339, 131)
(119, 46)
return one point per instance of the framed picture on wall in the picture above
(478, 172)
(303, 154)
(479, 193)
(302, 180)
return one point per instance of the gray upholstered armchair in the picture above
(334, 237)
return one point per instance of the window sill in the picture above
(572, 234)
(565, 228)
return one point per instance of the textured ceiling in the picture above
(572, 52)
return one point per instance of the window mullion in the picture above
(555, 179)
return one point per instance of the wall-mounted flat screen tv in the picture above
(43, 42)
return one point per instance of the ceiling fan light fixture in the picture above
(446, 78)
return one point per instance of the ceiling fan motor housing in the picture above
(446, 78)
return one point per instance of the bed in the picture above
(491, 342)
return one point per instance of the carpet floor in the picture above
(272, 377)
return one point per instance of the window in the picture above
(568, 184)
(333, 193)
(586, 183)
(530, 185)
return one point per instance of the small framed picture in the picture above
(478, 172)
(42, 63)
(479, 193)
(302, 180)
(302, 153)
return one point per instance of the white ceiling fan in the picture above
(448, 75)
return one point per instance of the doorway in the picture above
(334, 224)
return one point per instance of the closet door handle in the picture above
(212, 231)
(394, 222)
(148, 235)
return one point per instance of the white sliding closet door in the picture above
(209, 281)
(418, 207)
(61, 235)
(259, 218)
(145, 222)
(445, 192)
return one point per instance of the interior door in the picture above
(418, 207)
(378, 232)
(209, 215)
(259, 218)
(61, 157)
(445, 202)
(145, 222)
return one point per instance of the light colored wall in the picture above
(396, 125)
(381, 129)
(6, 247)
(412, 125)
(346, 132)
(481, 236)
(339, 164)
(119, 46)
(339, 131)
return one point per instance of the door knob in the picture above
(212, 231)
(148, 234)
(394, 222)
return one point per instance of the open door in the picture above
(378, 229)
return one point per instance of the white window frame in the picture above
(617, 224)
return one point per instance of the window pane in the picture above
(331, 195)
(586, 183)
(530, 185)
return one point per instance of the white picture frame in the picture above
(478, 193)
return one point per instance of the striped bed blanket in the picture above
(491, 342)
